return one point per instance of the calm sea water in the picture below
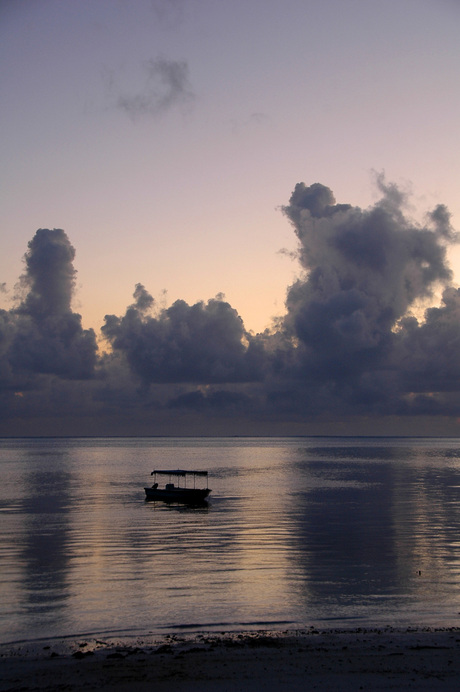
(298, 532)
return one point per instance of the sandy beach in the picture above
(359, 659)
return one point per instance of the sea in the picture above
(299, 532)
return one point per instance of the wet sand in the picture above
(359, 659)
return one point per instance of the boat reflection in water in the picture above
(176, 490)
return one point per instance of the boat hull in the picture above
(189, 496)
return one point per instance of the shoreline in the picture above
(423, 658)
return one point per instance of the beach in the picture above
(354, 659)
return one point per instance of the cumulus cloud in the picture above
(203, 343)
(350, 343)
(165, 85)
(347, 342)
(363, 272)
(50, 275)
(364, 269)
(42, 335)
(428, 354)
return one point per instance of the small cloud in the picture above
(169, 13)
(166, 85)
(258, 118)
(254, 120)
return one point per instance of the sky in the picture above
(229, 217)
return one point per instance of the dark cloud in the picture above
(220, 400)
(440, 218)
(165, 86)
(42, 336)
(352, 344)
(364, 269)
(428, 354)
(50, 275)
(204, 343)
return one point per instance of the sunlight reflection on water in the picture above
(298, 531)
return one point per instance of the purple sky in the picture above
(165, 136)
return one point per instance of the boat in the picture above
(176, 490)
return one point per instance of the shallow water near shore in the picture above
(330, 532)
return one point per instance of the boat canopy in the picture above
(180, 472)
